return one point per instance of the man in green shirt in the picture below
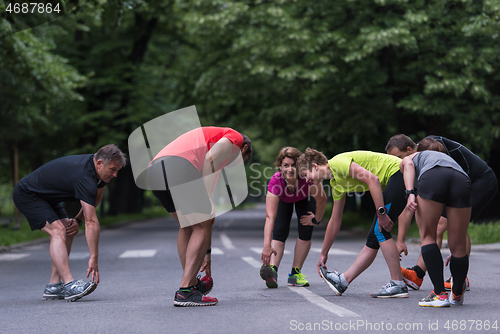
(358, 172)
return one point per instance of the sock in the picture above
(459, 268)
(295, 271)
(274, 267)
(434, 263)
(189, 288)
(400, 283)
(419, 271)
(343, 281)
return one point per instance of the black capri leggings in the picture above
(284, 217)
(395, 202)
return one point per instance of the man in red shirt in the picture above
(183, 176)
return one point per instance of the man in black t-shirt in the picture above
(39, 195)
(484, 186)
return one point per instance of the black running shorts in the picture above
(185, 180)
(445, 185)
(284, 217)
(37, 210)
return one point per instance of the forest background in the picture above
(333, 75)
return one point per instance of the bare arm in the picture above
(317, 191)
(404, 222)
(331, 231)
(408, 169)
(361, 174)
(272, 202)
(220, 152)
(320, 197)
(92, 230)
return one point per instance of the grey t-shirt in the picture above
(426, 160)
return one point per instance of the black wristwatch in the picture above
(381, 210)
(314, 221)
(408, 192)
(79, 221)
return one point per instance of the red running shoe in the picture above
(205, 284)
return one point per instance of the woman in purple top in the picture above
(288, 189)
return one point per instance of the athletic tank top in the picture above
(426, 160)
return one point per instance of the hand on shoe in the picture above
(207, 265)
(94, 270)
(321, 263)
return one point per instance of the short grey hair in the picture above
(110, 153)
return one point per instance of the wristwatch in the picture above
(408, 192)
(79, 221)
(381, 210)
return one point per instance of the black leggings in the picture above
(284, 217)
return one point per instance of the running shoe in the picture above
(332, 279)
(447, 284)
(193, 298)
(297, 279)
(391, 290)
(205, 284)
(457, 300)
(53, 291)
(269, 274)
(75, 290)
(411, 279)
(433, 300)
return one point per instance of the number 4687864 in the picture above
(33, 8)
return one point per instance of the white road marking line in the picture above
(226, 242)
(138, 253)
(335, 251)
(12, 257)
(251, 261)
(322, 302)
(259, 250)
(79, 255)
(217, 251)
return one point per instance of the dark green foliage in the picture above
(336, 76)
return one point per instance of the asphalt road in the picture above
(140, 273)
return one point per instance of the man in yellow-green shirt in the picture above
(361, 171)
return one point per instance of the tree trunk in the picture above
(124, 195)
(16, 180)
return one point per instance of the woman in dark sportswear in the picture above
(439, 180)
(287, 190)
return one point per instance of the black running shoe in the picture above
(193, 298)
